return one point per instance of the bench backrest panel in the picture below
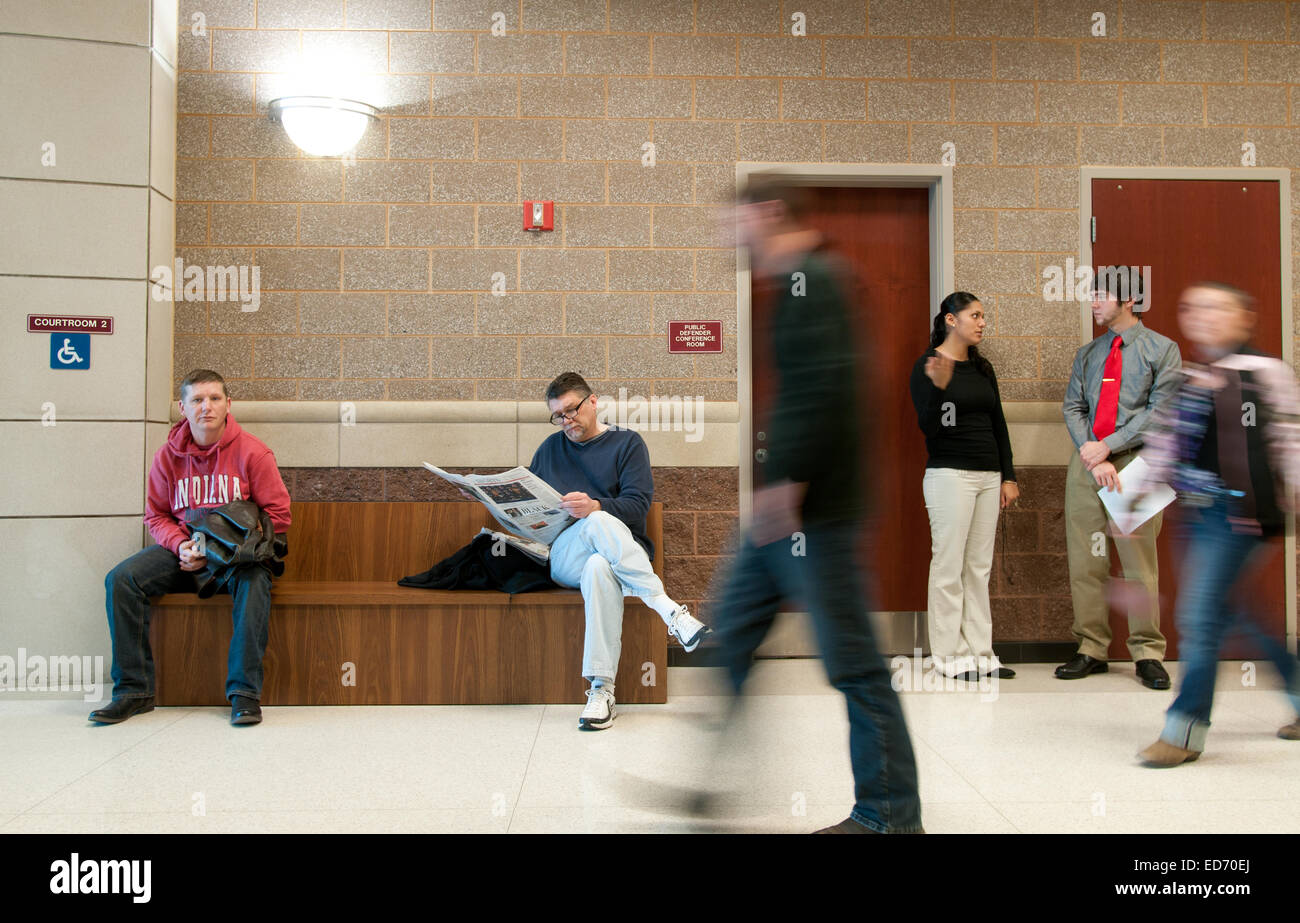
(387, 541)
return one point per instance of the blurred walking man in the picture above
(807, 517)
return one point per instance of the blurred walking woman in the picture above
(969, 477)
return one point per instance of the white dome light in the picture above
(323, 126)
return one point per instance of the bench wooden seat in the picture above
(338, 614)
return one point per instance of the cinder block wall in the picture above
(377, 274)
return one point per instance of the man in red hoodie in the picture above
(208, 461)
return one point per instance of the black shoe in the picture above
(1002, 673)
(1080, 665)
(244, 710)
(1153, 675)
(848, 825)
(119, 710)
(970, 676)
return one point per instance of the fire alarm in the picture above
(539, 216)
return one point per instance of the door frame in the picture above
(1279, 175)
(937, 178)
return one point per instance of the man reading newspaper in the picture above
(604, 475)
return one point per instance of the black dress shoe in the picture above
(244, 710)
(118, 710)
(1002, 673)
(1153, 675)
(1080, 665)
(849, 825)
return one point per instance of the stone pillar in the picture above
(88, 160)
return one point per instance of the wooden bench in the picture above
(338, 603)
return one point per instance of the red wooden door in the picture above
(1191, 231)
(882, 234)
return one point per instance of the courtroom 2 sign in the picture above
(68, 323)
(695, 336)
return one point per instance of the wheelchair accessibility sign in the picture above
(69, 350)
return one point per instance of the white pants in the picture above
(963, 507)
(599, 556)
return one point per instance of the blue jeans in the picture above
(155, 571)
(825, 580)
(1216, 557)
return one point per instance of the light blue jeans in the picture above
(599, 556)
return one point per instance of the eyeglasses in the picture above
(562, 416)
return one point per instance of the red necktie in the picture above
(1108, 403)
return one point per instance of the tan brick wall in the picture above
(376, 275)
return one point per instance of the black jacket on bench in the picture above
(475, 567)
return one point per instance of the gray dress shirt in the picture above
(1149, 377)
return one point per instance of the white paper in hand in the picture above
(1135, 479)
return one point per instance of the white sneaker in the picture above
(599, 713)
(687, 629)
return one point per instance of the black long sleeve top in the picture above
(971, 434)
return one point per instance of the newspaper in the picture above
(1135, 481)
(535, 550)
(518, 499)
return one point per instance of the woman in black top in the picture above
(969, 477)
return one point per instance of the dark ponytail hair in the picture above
(954, 304)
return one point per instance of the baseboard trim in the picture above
(1007, 651)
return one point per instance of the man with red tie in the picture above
(1116, 383)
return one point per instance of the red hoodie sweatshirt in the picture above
(186, 475)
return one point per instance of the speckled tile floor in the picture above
(1034, 755)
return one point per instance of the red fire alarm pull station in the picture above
(539, 216)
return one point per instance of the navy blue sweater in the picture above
(613, 468)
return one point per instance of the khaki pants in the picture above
(1085, 517)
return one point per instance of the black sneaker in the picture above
(244, 710)
(118, 710)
